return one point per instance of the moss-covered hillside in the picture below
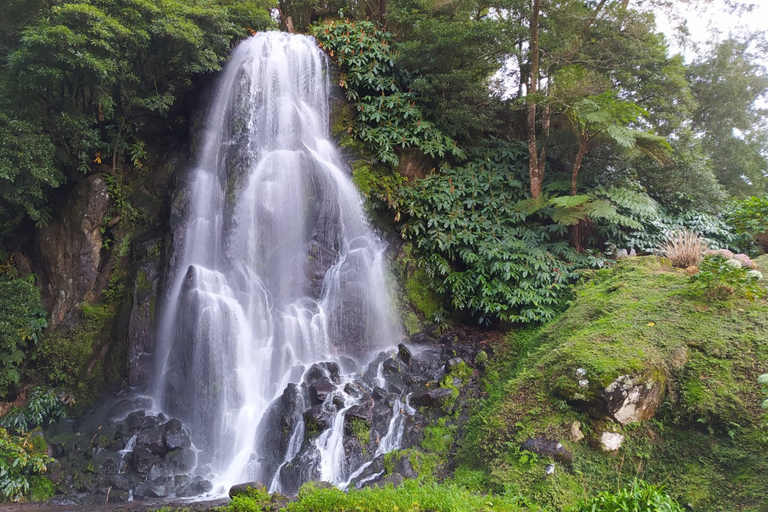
(708, 438)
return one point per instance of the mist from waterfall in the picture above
(276, 267)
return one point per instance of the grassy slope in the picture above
(707, 444)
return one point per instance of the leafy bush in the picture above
(750, 219)
(720, 277)
(43, 405)
(20, 460)
(492, 259)
(22, 320)
(641, 497)
(387, 116)
(683, 248)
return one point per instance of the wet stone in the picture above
(433, 397)
(379, 393)
(175, 437)
(320, 391)
(405, 354)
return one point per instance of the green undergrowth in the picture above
(413, 495)
(643, 319)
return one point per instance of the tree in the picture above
(731, 86)
(605, 119)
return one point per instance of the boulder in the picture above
(431, 398)
(244, 488)
(610, 442)
(625, 400)
(405, 354)
(320, 390)
(175, 438)
(548, 448)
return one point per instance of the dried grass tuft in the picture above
(683, 248)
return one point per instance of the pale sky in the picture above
(709, 23)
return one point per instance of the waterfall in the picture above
(275, 265)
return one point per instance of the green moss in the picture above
(362, 431)
(420, 293)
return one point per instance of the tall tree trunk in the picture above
(577, 166)
(533, 88)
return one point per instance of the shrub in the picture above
(43, 405)
(750, 219)
(683, 248)
(22, 320)
(20, 460)
(720, 277)
(640, 497)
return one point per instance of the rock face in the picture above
(71, 252)
(146, 274)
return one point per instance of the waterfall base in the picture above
(336, 425)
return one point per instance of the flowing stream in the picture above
(276, 266)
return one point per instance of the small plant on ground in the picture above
(640, 497)
(762, 381)
(721, 277)
(683, 248)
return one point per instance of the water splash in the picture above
(275, 265)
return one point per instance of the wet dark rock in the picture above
(392, 367)
(353, 389)
(404, 467)
(324, 370)
(201, 485)
(431, 398)
(548, 448)
(244, 488)
(143, 459)
(338, 402)
(317, 419)
(357, 413)
(348, 365)
(395, 480)
(153, 440)
(109, 463)
(135, 421)
(405, 354)
(379, 393)
(320, 390)
(175, 437)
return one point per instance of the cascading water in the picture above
(278, 268)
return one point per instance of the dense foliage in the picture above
(22, 320)
(388, 117)
(90, 81)
(489, 257)
(21, 458)
(749, 217)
